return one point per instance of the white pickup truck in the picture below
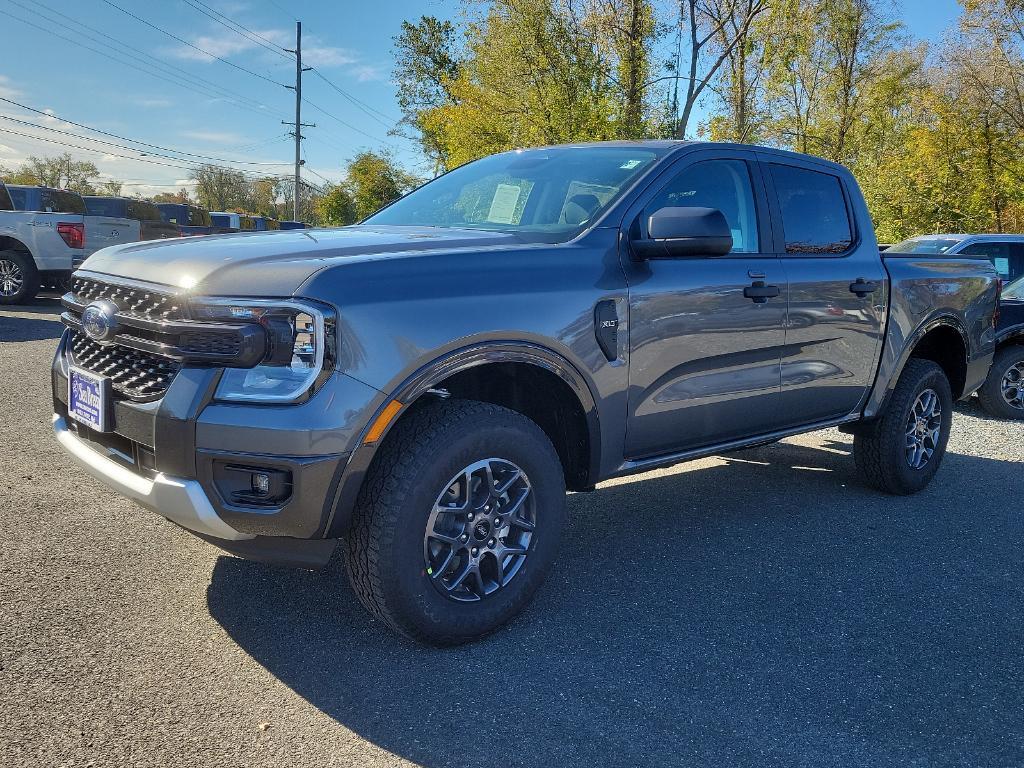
(45, 234)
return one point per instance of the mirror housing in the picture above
(681, 232)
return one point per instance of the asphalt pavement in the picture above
(759, 609)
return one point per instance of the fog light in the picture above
(260, 483)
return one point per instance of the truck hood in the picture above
(275, 263)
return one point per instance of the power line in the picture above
(376, 114)
(115, 55)
(27, 124)
(247, 174)
(348, 125)
(122, 138)
(234, 26)
(173, 36)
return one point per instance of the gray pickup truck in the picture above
(426, 385)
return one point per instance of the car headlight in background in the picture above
(300, 347)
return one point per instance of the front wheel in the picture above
(458, 521)
(1002, 394)
(901, 451)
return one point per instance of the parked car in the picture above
(236, 222)
(151, 225)
(190, 219)
(427, 384)
(100, 231)
(1006, 252)
(44, 235)
(1002, 394)
(292, 225)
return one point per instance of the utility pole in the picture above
(298, 124)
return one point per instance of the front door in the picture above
(704, 357)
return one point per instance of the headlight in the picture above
(300, 345)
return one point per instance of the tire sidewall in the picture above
(410, 588)
(913, 480)
(991, 395)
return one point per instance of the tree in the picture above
(180, 197)
(373, 180)
(110, 188)
(220, 189)
(336, 207)
(62, 172)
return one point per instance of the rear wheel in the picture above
(458, 521)
(19, 278)
(1002, 394)
(901, 451)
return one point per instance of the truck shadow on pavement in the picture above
(44, 324)
(764, 610)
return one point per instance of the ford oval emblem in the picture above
(99, 321)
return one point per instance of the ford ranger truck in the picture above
(426, 385)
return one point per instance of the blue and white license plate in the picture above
(89, 399)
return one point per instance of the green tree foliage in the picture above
(63, 172)
(336, 207)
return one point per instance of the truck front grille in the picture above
(133, 374)
(137, 302)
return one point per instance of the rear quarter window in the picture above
(104, 206)
(815, 219)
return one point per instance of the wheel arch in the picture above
(512, 374)
(9, 243)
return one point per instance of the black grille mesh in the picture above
(211, 343)
(137, 302)
(134, 374)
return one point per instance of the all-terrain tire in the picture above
(27, 273)
(991, 392)
(880, 448)
(385, 546)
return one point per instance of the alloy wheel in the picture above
(11, 278)
(923, 427)
(479, 531)
(1012, 385)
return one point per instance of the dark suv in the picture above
(426, 385)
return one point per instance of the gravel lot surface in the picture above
(752, 610)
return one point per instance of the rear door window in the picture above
(61, 201)
(6, 204)
(815, 219)
(197, 217)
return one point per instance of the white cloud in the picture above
(217, 137)
(150, 103)
(5, 150)
(7, 90)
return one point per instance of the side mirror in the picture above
(676, 232)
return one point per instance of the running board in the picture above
(633, 466)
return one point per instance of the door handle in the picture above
(862, 288)
(759, 293)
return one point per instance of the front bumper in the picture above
(180, 500)
(169, 456)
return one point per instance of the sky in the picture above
(111, 65)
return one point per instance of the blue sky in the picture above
(228, 113)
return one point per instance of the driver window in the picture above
(721, 184)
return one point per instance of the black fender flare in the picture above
(425, 378)
(876, 404)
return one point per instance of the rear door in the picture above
(837, 290)
(704, 358)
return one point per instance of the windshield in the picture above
(925, 245)
(545, 194)
(1014, 290)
